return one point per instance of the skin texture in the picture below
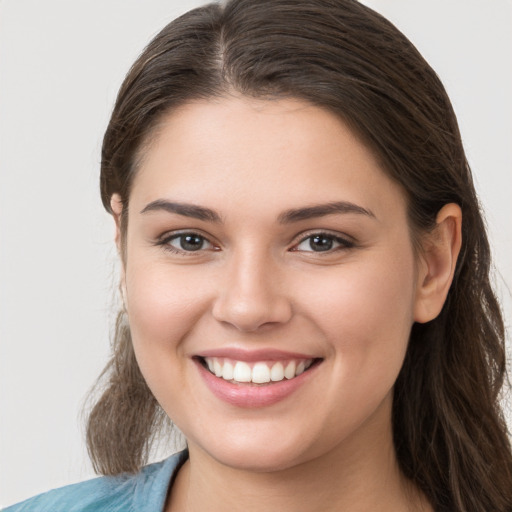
(256, 283)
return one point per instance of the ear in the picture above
(440, 249)
(117, 208)
(116, 205)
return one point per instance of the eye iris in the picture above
(191, 242)
(320, 243)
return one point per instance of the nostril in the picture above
(249, 313)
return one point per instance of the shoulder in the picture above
(146, 490)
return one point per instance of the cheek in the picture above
(163, 306)
(366, 311)
(366, 316)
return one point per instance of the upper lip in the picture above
(239, 354)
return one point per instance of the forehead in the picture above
(244, 152)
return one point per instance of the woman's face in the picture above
(263, 239)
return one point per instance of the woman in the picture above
(305, 276)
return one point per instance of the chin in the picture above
(259, 457)
(258, 460)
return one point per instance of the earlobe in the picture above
(440, 250)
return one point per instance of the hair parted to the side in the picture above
(449, 432)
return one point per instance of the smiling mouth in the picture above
(258, 372)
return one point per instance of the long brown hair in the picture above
(449, 432)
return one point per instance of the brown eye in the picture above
(188, 242)
(323, 242)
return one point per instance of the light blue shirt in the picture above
(145, 491)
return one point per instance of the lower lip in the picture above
(253, 395)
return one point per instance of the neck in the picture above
(355, 476)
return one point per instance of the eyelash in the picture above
(165, 242)
(343, 243)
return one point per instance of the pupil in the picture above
(191, 242)
(320, 243)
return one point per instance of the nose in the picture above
(252, 295)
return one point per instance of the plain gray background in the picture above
(61, 63)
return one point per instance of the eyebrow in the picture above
(287, 217)
(185, 209)
(321, 210)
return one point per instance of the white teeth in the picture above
(277, 372)
(289, 371)
(217, 368)
(242, 372)
(259, 373)
(227, 371)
